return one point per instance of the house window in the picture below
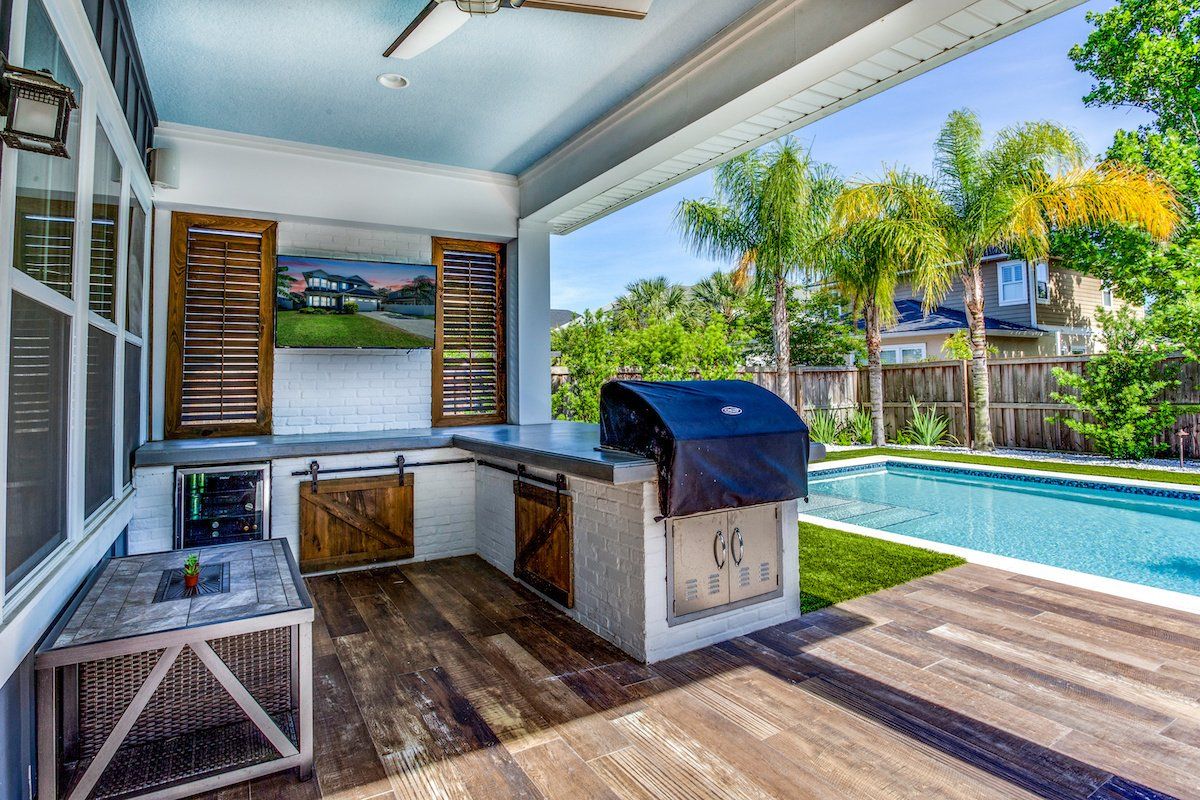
(1106, 297)
(468, 358)
(903, 353)
(43, 246)
(220, 319)
(1042, 288)
(39, 369)
(106, 206)
(1012, 282)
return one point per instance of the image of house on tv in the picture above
(324, 289)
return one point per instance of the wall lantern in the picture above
(37, 110)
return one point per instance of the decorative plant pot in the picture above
(191, 581)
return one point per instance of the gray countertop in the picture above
(569, 447)
(119, 601)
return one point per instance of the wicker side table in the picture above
(142, 692)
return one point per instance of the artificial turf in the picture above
(1165, 476)
(837, 566)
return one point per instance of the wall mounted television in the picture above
(342, 303)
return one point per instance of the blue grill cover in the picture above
(718, 444)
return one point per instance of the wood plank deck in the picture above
(448, 680)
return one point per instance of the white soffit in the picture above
(972, 27)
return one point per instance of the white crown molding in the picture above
(722, 43)
(173, 131)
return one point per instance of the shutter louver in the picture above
(469, 381)
(222, 309)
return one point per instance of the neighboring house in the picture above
(1030, 309)
(560, 317)
(325, 290)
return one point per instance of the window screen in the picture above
(98, 454)
(132, 431)
(106, 204)
(38, 392)
(136, 270)
(469, 364)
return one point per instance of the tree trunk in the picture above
(875, 373)
(783, 350)
(973, 296)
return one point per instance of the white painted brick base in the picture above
(621, 567)
(443, 500)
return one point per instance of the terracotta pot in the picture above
(190, 581)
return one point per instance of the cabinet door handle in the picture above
(719, 549)
(737, 547)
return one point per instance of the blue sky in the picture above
(1023, 77)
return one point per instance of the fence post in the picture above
(966, 389)
(797, 377)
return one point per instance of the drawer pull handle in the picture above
(719, 548)
(738, 546)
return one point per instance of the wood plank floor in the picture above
(447, 680)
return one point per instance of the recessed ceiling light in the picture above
(392, 81)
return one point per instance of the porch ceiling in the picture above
(497, 95)
(897, 42)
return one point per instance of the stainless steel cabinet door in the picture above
(753, 551)
(701, 561)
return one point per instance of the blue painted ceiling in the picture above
(498, 94)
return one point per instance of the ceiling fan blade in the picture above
(629, 9)
(435, 22)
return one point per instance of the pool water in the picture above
(1136, 534)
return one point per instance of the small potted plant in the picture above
(191, 572)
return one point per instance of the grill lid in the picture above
(718, 444)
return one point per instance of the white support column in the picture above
(529, 325)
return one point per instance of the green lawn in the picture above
(294, 329)
(1147, 474)
(837, 566)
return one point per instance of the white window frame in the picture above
(1106, 297)
(899, 349)
(28, 607)
(1001, 283)
(1041, 278)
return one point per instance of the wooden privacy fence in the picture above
(1019, 394)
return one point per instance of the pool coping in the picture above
(1152, 595)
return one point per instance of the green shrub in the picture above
(861, 427)
(823, 426)
(350, 308)
(1120, 389)
(927, 428)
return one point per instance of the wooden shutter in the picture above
(219, 326)
(468, 360)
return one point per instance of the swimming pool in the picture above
(1140, 534)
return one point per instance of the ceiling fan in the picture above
(440, 18)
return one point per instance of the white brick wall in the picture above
(324, 391)
(153, 525)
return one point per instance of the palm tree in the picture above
(649, 300)
(770, 208)
(1034, 178)
(865, 257)
(719, 293)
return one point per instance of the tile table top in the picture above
(120, 601)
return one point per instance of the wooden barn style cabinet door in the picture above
(349, 522)
(545, 542)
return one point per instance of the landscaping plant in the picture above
(823, 426)
(927, 428)
(861, 427)
(769, 210)
(1120, 390)
(1034, 178)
